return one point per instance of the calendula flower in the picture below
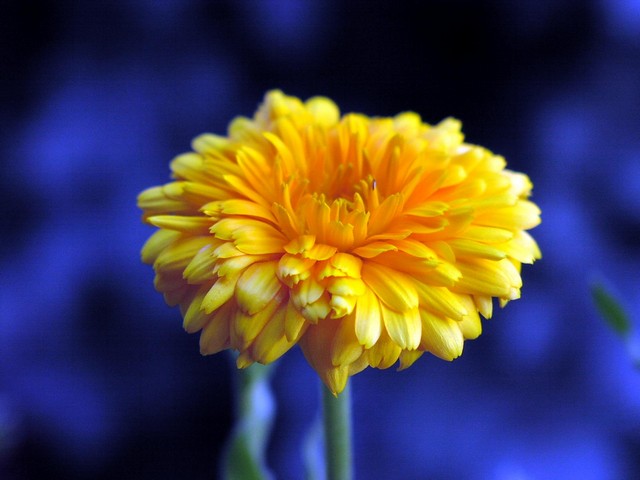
(367, 241)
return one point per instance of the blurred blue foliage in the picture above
(97, 379)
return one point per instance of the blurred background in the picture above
(97, 378)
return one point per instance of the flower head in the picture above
(367, 241)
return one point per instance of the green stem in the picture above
(245, 455)
(337, 433)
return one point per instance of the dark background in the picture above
(97, 378)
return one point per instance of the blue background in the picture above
(97, 378)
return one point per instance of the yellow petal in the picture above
(407, 265)
(443, 250)
(220, 293)
(194, 317)
(200, 268)
(300, 244)
(320, 252)
(424, 189)
(415, 249)
(227, 250)
(190, 166)
(453, 176)
(233, 265)
(468, 156)
(240, 207)
(444, 274)
(484, 305)
(408, 358)
(428, 209)
(257, 286)
(324, 111)
(482, 277)
(487, 234)
(512, 271)
(522, 248)
(246, 190)
(345, 348)
(178, 255)
(201, 194)
(485, 204)
(400, 231)
(385, 213)
(155, 200)
(244, 360)
(346, 263)
(271, 343)
(245, 327)
(393, 288)
(441, 336)
(470, 325)
(250, 236)
(226, 227)
(368, 320)
(286, 221)
(374, 249)
(522, 216)
(520, 183)
(318, 216)
(359, 365)
(294, 146)
(346, 286)
(255, 170)
(208, 142)
(307, 292)
(335, 379)
(157, 243)
(440, 300)
(471, 249)
(425, 228)
(215, 335)
(191, 225)
(315, 341)
(340, 234)
(318, 310)
(342, 305)
(294, 322)
(384, 353)
(292, 269)
(404, 328)
(282, 150)
(314, 347)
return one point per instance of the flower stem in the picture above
(246, 451)
(337, 433)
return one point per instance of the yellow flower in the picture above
(367, 241)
